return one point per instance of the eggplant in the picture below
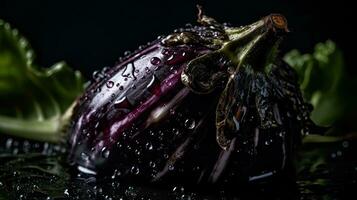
(209, 103)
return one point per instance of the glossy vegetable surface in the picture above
(210, 103)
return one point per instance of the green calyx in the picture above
(255, 45)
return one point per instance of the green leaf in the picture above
(322, 80)
(36, 103)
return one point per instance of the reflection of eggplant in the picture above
(207, 103)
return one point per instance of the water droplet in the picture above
(174, 189)
(149, 146)
(267, 142)
(171, 167)
(190, 124)
(345, 144)
(46, 148)
(182, 189)
(110, 84)
(155, 60)
(105, 152)
(15, 151)
(66, 192)
(135, 170)
(128, 71)
(175, 131)
(172, 56)
(121, 87)
(9, 143)
(126, 53)
(152, 164)
(137, 152)
(97, 76)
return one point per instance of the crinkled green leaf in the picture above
(322, 81)
(35, 102)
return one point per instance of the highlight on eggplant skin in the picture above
(209, 103)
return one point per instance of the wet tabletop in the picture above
(28, 170)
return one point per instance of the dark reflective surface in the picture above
(326, 170)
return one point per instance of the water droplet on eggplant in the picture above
(110, 84)
(105, 152)
(155, 61)
(190, 124)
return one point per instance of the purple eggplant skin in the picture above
(140, 91)
(206, 104)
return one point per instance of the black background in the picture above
(92, 34)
